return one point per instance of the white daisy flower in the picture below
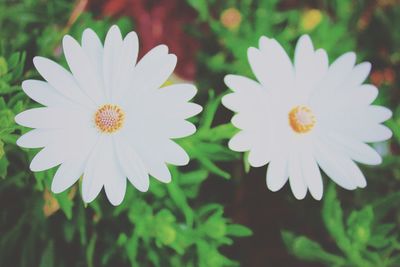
(108, 119)
(304, 115)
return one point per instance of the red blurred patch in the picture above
(159, 22)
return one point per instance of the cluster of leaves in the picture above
(168, 226)
(363, 241)
(11, 69)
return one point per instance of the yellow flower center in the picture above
(109, 118)
(301, 119)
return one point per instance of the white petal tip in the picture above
(227, 79)
(35, 168)
(38, 60)
(143, 189)
(17, 119)
(317, 195)
(272, 186)
(116, 202)
(362, 183)
(114, 28)
(183, 162)
(318, 198)
(305, 38)
(55, 189)
(196, 109)
(164, 179)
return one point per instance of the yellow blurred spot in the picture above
(231, 18)
(167, 83)
(173, 79)
(50, 203)
(310, 19)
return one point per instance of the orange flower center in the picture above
(301, 119)
(109, 118)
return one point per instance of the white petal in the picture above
(177, 93)
(358, 75)
(378, 114)
(92, 46)
(271, 65)
(132, 165)
(83, 71)
(111, 60)
(80, 148)
(43, 93)
(47, 158)
(259, 156)
(354, 98)
(244, 120)
(355, 149)
(115, 188)
(367, 132)
(240, 142)
(310, 66)
(128, 56)
(241, 83)
(248, 96)
(180, 129)
(264, 148)
(341, 169)
(155, 67)
(173, 153)
(92, 182)
(173, 111)
(296, 178)
(130, 49)
(303, 52)
(368, 93)
(173, 105)
(103, 169)
(312, 175)
(151, 158)
(340, 68)
(37, 138)
(53, 118)
(277, 173)
(61, 80)
(64, 148)
(67, 174)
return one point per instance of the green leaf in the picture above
(201, 7)
(332, 215)
(47, 258)
(309, 250)
(178, 196)
(238, 230)
(194, 177)
(90, 250)
(3, 167)
(66, 203)
(359, 226)
(3, 66)
(209, 110)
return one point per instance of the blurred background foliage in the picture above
(198, 219)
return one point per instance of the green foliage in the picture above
(363, 240)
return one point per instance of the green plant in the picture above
(363, 239)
